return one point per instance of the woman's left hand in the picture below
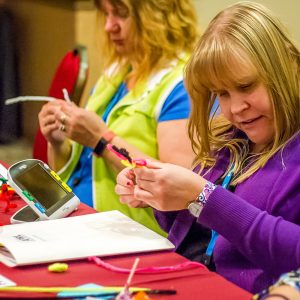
(82, 126)
(167, 187)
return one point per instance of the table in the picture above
(196, 283)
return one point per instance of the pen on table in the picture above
(160, 292)
(66, 95)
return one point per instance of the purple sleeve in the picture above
(165, 219)
(268, 241)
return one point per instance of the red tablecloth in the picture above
(196, 283)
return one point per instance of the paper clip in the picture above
(126, 160)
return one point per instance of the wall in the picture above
(45, 31)
(86, 34)
(288, 11)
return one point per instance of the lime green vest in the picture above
(134, 118)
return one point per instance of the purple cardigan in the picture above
(258, 223)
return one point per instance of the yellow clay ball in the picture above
(58, 268)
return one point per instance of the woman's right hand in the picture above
(49, 124)
(125, 188)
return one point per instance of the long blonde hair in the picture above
(161, 31)
(247, 34)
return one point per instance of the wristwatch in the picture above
(104, 140)
(195, 208)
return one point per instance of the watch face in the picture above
(195, 208)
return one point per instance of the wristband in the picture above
(207, 190)
(106, 138)
(195, 207)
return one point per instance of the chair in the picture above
(71, 74)
(4, 164)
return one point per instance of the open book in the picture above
(98, 234)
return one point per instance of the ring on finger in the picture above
(62, 127)
(63, 119)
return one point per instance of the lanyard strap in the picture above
(214, 234)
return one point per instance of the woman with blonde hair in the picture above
(139, 103)
(247, 157)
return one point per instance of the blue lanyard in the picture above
(214, 234)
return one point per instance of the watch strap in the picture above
(195, 208)
(106, 138)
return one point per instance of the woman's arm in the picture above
(173, 143)
(87, 128)
(270, 242)
(58, 155)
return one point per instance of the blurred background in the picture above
(36, 34)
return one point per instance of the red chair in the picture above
(4, 164)
(71, 74)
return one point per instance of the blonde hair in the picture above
(247, 35)
(161, 31)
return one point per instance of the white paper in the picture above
(3, 172)
(4, 281)
(100, 234)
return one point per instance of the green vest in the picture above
(134, 118)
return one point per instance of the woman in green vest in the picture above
(139, 103)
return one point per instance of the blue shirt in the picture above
(176, 107)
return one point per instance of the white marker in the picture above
(66, 95)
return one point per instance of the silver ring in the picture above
(63, 119)
(62, 127)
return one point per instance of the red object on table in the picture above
(8, 195)
(196, 283)
(71, 74)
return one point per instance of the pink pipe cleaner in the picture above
(148, 270)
